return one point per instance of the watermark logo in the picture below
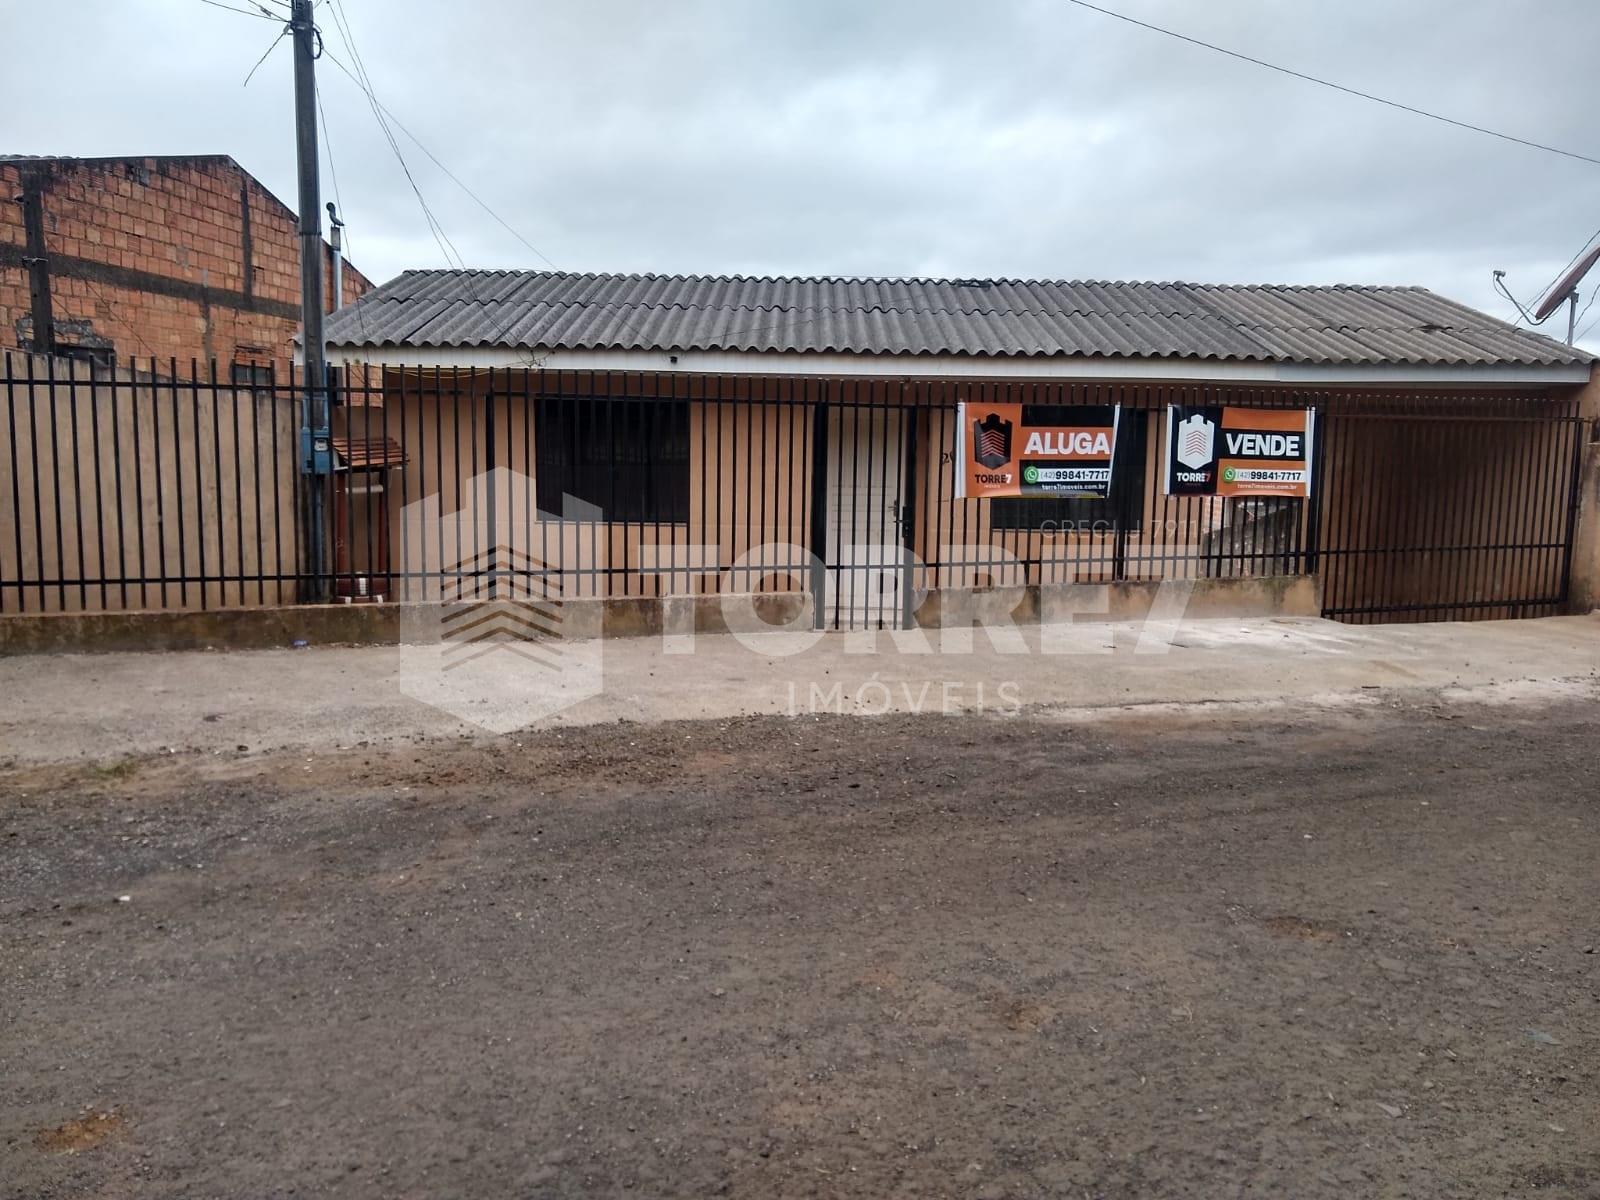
(494, 632)
(875, 698)
(488, 638)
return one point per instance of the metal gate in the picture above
(863, 484)
(1446, 510)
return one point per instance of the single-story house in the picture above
(805, 435)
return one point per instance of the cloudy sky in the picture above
(903, 137)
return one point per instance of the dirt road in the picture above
(1347, 955)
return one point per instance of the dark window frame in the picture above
(253, 375)
(628, 456)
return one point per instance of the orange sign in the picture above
(1064, 451)
(1225, 451)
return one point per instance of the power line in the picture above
(385, 119)
(327, 145)
(363, 81)
(1338, 87)
(451, 175)
(282, 33)
(262, 14)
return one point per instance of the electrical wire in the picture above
(333, 172)
(262, 14)
(363, 81)
(1522, 313)
(385, 119)
(1338, 87)
(281, 35)
(451, 175)
(447, 248)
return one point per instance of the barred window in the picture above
(627, 457)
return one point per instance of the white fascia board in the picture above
(952, 366)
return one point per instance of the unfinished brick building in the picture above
(175, 258)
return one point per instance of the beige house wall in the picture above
(750, 494)
(749, 490)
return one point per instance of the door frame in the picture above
(904, 520)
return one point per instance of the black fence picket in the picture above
(162, 485)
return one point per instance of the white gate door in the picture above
(864, 577)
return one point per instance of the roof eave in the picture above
(976, 366)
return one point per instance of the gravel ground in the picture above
(1330, 954)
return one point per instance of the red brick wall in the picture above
(123, 235)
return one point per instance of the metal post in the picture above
(817, 530)
(1572, 314)
(336, 240)
(316, 462)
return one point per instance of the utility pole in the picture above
(316, 459)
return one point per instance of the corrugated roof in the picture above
(554, 310)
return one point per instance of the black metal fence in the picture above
(136, 489)
(1449, 510)
(155, 487)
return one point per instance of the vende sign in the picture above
(1226, 451)
(1062, 450)
(1264, 445)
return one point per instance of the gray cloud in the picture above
(1024, 138)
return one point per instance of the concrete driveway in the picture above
(106, 707)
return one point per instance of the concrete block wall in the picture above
(171, 257)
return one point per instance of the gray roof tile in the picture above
(554, 310)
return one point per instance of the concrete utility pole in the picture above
(316, 450)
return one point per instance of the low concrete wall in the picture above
(220, 628)
(1270, 595)
(387, 624)
(376, 624)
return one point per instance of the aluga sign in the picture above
(1225, 451)
(1058, 450)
